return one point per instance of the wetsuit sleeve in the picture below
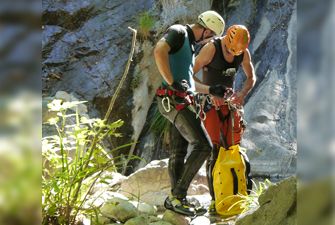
(175, 37)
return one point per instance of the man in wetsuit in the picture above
(220, 59)
(174, 56)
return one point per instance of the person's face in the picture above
(208, 33)
(233, 51)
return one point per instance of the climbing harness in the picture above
(166, 107)
(169, 96)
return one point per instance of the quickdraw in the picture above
(200, 104)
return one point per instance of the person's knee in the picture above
(202, 146)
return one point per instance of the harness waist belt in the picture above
(168, 92)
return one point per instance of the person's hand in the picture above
(180, 86)
(218, 90)
(237, 99)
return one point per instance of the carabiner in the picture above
(203, 117)
(208, 99)
(167, 100)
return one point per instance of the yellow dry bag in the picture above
(231, 180)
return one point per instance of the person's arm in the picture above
(161, 53)
(204, 57)
(249, 72)
(249, 83)
(170, 43)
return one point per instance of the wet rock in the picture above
(101, 220)
(153, 219)
(140, 220)
(119, 209)
(175, 218)
(160, 223)
(144, 208)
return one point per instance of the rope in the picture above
(130, 59)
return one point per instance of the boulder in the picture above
(119, 209)
(277, 206)
(152, 183)
(102, 196)
(175, 218)
(200, 220)
(144, 208)
(161, 222)
(139, 220)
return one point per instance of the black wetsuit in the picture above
(181, 58)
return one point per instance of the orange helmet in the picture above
(237, 39)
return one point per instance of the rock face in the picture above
(277, 206)
(270, 110)
(85, 48)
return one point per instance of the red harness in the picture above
(163, 92)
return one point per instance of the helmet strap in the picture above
(202, 35)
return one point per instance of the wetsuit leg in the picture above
(178, 152)
(209, 168)
(194, 132)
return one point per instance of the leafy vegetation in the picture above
(159, 125)
(251, 201)
(146, 23)
(73, 161)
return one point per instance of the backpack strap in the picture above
(223, 118)
(232, 127)
(235, 181)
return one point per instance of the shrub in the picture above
(74, 159)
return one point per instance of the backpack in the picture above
(231, 180)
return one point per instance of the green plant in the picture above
(248, 202)
(146, 23)
(159, 125)
(74, 160)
